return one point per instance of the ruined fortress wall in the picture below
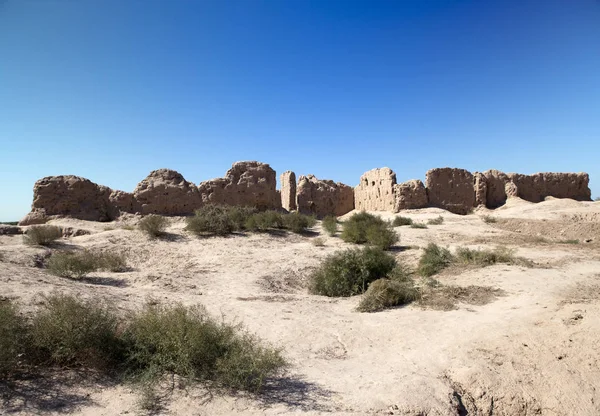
(322, 197)
(288, 190)
(375, 192)
(166, 192)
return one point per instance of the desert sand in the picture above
(534, 350)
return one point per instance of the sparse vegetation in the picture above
(223, 220)
(318, 242)
(387, 293)
(265, 221)
(418, 225)
(568, 242)
(214, 220)
(9, 222)
(597, 199)
(186, 341)
(68, 332)
(400, 221)
(489, 257)
(78, 264)
(488, 219)
(445, 298)
(153, 225)
(42, 235)
(11, 337)
(366, 228)
(330, 225)
(349, 272)
(434, 259)
(436, 221)
(298, 223)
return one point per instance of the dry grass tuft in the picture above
(445, 298)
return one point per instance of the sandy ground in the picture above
(533, 351)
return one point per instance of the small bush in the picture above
(383, 237)
(212, 220)
(418, 225)
(568, 242)
(488, 257)
(386, 293)
(110, 262)
(400, 221)
(153, 225)
(298, 223)
(330, 225)
(349, 272)
(265, 221)
(366, 228)
(11, 337)
(436, 221)
(42, 235)
(67, 331)
(488, 219)
(597, 199)
(239, 215)
(187, 342)
(318, 242)
(78, 264)
(434, 259)
(73, 265)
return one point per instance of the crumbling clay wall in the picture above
(537, 187)
(245, 184)
(166, 192)
(410, 195)
(451, 189)
(375, 192)
(323, 197)
(68, 195)
(288, 190)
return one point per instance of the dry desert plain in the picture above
(532, 349)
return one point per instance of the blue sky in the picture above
(111, 90)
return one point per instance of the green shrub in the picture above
(418, 225)
(110, 262)
(568, 242)
(187, 342)
(436, 221)
(42, 235)
(239, 215)
(386, 293)
(434, 259)
(380, 236)
(153, 225)
(318, 242)
(78, 264)
(67, 331)
(12, 331)
(400, 221)
(265, 221)
(367, 228)
(330, 225)
(349, 272)
(212, 220)
(489, 257)
(488, 219)
(298, 223)
(74, 265)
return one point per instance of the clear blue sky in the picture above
(111, 90)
